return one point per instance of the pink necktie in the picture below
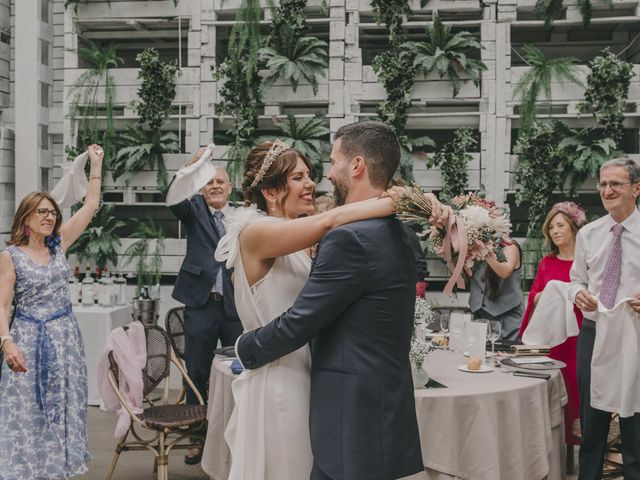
(611, 273)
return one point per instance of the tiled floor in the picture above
(139, 465)
(132, 465)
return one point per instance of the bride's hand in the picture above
(439, 213)
(394, 193)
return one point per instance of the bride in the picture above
(268, 432)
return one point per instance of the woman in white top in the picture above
(268, 433)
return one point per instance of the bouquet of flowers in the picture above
(477, 228)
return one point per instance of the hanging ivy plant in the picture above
(84, 108)
(539, 171)
(453, 159)
(241, 91)
(606, 94)
(144, 143)
(397, 75)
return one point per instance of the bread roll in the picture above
(474, 363)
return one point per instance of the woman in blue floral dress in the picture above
(43, 388)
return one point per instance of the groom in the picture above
(356, 309)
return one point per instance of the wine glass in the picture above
(444, 327)
(494, 329)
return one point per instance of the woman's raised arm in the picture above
(73, 228)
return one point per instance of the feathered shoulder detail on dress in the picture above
(228, 250)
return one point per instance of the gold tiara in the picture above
(276, 149)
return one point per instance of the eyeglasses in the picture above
(615, 186)
(43, 212)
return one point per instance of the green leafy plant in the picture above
(241, 90)
(305, 59)
(144, 148)
(539, 171)
(289, 52)
(453, 159)
(309, 136)
(447, 53)
(537, 80)
(144, 143)
(607, 91)
(99, 241)
(583, 155)
(550, 10)
(85, 108)
(146, 251)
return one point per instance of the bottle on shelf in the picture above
(144, 293)
(74, 287)
(96, 294)
(120, 284)
(106, 288)
(88, 288)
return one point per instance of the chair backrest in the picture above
(174, 323)
(158, 359)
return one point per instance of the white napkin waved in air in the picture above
(188, 180)
(73, 184)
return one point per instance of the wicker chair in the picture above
(173, 426)
(174, 324)
(612, 467)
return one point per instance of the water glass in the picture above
(444, 326)
(494, 329)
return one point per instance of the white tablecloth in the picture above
(484, 426)
(96, 324)
(490, 426)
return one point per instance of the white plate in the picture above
(484, 368)
(486, 354)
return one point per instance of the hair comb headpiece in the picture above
(276, 149)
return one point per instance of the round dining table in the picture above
(477, 426)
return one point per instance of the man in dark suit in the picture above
(357, 311)
(204, 284)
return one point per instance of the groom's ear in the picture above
(358, 166)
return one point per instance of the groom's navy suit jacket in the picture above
(357, 311)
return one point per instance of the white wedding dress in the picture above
(268, 432)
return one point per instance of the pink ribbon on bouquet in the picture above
(455, 237)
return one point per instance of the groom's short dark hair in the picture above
(377, 143)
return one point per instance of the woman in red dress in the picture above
(559, 230)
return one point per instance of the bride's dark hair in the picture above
(275, 176)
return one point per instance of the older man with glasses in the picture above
(605, 285)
